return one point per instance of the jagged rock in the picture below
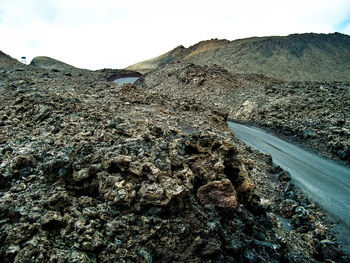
(113, 188)
(160, 194)
(81, 175)
(52, 220)
(276, 169)
(23, 161)
(287, 208)
(284, 176)
(220, 194)
(3, 181)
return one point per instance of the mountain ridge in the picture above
(309, 56)
(176, 54)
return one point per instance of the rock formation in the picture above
(94, 172)
(314, 114)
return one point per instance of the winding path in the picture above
(326, 182)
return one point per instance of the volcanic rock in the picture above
(220, 194)
(96, 172)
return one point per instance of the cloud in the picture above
(109, 33)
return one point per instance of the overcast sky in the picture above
(114, 34)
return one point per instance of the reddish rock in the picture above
(218, 193)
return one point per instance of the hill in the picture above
(7, 60)
(178, 53)
(50, 63)
(47, 63)
(156, 62)
(309, 57)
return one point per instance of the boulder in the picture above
(220, 194)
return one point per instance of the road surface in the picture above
(326, 182)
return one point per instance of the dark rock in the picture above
(302, 213)
(23, 164)
(328, 250)
(251, 256)
(147, 256)
(52, 221)
(3, 181)
(284, 176)
(25, 171)
(289, 187)
(287, 208)
(211, 248)
(220, 194)
(268, 159)
(275, 169)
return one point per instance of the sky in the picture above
(97, 34)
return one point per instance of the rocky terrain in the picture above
(297, 86)
(298, 57)
(314, 114)
(6, 60)
(95, 172)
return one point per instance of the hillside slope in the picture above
(50, 63)
(153, 63)
(7, 60)
(177, 54)
(310, 57)
(313, 57)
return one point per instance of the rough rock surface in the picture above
(314, 114)
(220, 194)
(94, 172)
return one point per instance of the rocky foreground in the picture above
(94, 172)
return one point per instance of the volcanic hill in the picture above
(308, 57)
